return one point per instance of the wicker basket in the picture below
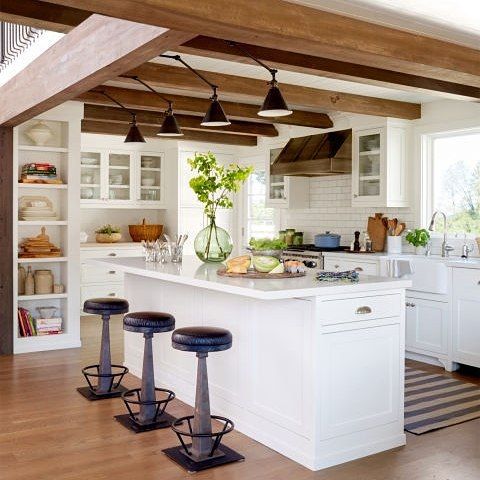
(145, 232)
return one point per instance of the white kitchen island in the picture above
(316, 370)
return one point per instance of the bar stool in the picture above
(151, 414)
(108, 377)
(205, 450)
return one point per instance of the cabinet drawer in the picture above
(94, 274)
(101, 291)
(367, 268)
(111, 252)
(332, 312)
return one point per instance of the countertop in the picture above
(192, 272)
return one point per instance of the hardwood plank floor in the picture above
(49, 432)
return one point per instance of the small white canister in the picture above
(394, 244)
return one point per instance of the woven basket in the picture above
(145, 232)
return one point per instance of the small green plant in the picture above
(108, 229)
(267, 244)
(418, 237)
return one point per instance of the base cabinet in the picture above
(427, 327)
(466, 316)
(342, 264)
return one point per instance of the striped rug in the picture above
(434, 401)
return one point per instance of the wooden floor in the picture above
(49, 432)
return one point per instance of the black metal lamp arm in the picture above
(133, 114)
(139, 80)
(273, 71)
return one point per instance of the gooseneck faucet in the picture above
(446, 249)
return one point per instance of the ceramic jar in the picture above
(43, 282)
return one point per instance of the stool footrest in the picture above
(93, 372)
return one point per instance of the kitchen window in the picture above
(260, 221)
(453, 181)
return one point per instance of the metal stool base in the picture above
(90, 395)
(164, 421)
(177, 454)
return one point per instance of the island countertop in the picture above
(194, 273)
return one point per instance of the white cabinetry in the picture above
(379, 166)
(284, 191)
(343, 262)
(466, 316)
(98, 281)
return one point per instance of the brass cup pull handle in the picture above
(363, 310)
(111, 294)
(358, 269)
(478, 283)
(112, 254)
(112, 272)
(336, 266)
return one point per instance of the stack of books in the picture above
(39, 173)
(26, 323)
(48, 326)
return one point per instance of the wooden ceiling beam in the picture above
(179, 78)
(142, 100)
(292, 27)
(326, 67)
(99, 49)
(106, 128)
(187, 122)
(42, 15)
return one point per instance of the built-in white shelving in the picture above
(42, 260)
(44, 186)
(50, 296)
(36, 148)
(40, 223)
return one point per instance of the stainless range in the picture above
(309, 254)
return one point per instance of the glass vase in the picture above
(213, 243)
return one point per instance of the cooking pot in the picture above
(327, 240)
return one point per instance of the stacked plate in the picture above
(35, 208)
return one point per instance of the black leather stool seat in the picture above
(148, 322)
(105, 306)
(201, 339)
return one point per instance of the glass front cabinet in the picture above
(379, 167)
(121, 179)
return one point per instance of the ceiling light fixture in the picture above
(274, 104)
(215, 116)
(134, 135)
(170, 126)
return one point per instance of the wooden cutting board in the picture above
(377, 232)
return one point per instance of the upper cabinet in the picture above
(284, 191)
(379, 169)
(121, 179)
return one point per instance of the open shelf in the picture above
(38, 148)
(48, 186)
(49, 296)
(43, 260)
(41, 223)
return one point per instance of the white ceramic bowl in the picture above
(148, 182)
(47, 312)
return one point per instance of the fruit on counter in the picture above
(238, 264)
(267, 244)
(294, 266)
(278, 269)
(265, 264)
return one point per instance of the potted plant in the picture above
(108, 234)
(418, 238)
(214, 185)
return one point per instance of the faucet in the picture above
(466, 249)
(446, 249)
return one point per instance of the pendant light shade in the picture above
(215, 116)
(274, 104)
(134, 135)
(170, 127)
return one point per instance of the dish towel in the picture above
(399, 268)
(351, 275)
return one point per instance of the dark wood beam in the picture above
(7, 309)
(42, 15)
(292, 27)
(179, 78)
(97, 50)
(106, 128)
(326, 67)
(142, 100)
(187, 122)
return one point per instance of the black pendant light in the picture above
(215, 116)
(274, 104)
(170, 126)
(134, 135)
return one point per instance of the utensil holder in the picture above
(394, 244)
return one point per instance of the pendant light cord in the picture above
(139, 80)
(132, 113)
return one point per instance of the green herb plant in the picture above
(214, 185)
(418, 237)
(108, 229)
(267, 244)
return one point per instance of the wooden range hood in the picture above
(316, 155)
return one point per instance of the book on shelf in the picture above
(30, 327)
(26, 323)
(39, 172)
